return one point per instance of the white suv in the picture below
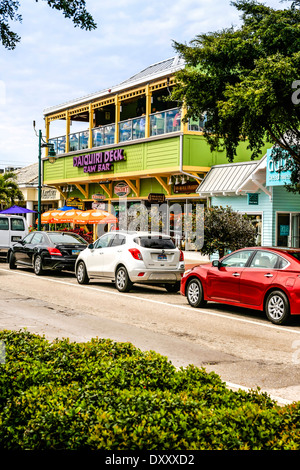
(129, 257)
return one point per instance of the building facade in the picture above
(258, 190)
(134, 145)
(27, 180)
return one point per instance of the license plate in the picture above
(75, 252)
(161, 257)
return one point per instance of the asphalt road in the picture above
(240, 345)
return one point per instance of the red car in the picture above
(259, 278)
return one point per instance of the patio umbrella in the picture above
(16, 210)
(48, 217)
(67, 208)
(62, 217)
(95, 217)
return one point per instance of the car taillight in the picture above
(136, 253)
(54, 251)
(181, 258)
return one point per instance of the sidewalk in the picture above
(193, 258)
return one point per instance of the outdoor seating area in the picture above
(162, 122)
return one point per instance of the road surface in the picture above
(240, 345)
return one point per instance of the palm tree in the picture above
(9, 190)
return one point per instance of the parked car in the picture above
(132, 257)
(260, 278)
(12, 229)
(47, 250)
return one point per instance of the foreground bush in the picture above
(107, 395)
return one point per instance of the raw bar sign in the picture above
(100, 161)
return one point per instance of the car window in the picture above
(27, 238)
(17, 224)
(156, 242)
(37, 238)
(118, 240)
(237, 259)
(4, 223)
(104, 241)
(71, 238)
(264, 259)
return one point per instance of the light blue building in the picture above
(257, 188)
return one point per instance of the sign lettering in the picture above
(100, 161)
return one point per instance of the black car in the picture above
(47, 250)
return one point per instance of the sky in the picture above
(56, 62)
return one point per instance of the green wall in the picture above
(196, 152)
(150, 155)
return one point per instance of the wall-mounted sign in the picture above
(156, 198)
(121, 189)
(50, 194)
(100, 161)
(74, 202)
(277, 174)
(186, 188)
(98, 197)
(98, 205)
(253, 199)
(284, 230)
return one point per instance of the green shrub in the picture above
(107, 395)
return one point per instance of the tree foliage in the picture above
(225, 229)
(73, 9)
(244, 80)
(9, 190)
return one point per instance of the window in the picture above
(66, 238)
(17, 224)
(27, 239)
(118, 240)
(155, 242)
(4, 223)
(37, 238)
(238, 259)
(264, 259)
(104, 241)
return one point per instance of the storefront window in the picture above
(256, 220)
(288, 229)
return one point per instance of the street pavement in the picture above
(241, 346)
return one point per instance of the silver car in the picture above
(132, 257)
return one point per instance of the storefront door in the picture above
(288, 229)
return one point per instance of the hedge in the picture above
(106, 395)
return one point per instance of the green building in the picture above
(134, 143)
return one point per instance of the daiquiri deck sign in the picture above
(100, 161)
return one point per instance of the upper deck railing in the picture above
(163, 122)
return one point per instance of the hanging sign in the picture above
(122, 189)
(156, 198)
(98, 197)
(99, 161)
(186, 188)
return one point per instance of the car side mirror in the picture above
(91, 246)
(216, 263)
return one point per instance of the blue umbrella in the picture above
(66, 208)
(16, 210)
